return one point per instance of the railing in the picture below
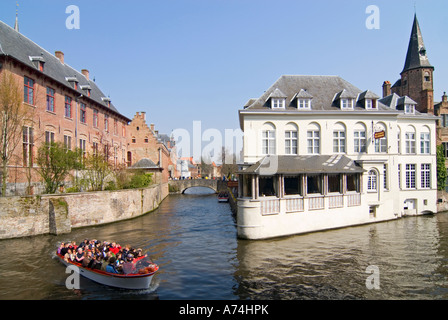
(316, 203)
(273, 205)
(336, 201)
(353, 200)
(294, 205)
(270, 206)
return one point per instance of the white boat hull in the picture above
(134, 281)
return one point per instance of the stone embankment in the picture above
(59, 214)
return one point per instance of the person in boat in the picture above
(79, 256)
(114, 248)
(129, 265)
(69, 256)
(111, 266)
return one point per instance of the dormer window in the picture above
(73, 82)
(409, 109)
(278, 103)
(304, 104)
(370, 104)
(347, 104)
(86, 88)
(107, 101)
(38, 62)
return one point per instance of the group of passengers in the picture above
(106, 256)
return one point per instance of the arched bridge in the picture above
(179, 186)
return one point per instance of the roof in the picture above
(323, 90)
(145, 164)
(416, 56)
(15, 45)
(271, 165)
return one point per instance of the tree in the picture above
(13, 115)
(55, 163)
(96, 169)
(442, 173)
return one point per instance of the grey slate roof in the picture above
(416, 56)
(271, 165)
(145, 164)
(15, 45)
(324, 90)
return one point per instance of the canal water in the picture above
(193, 239)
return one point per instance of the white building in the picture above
(320, 153)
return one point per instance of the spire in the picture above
(416, 56)
(16, 25)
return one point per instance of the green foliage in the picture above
(96, 169)
(441, 169)
(55, 164)
(137, 180)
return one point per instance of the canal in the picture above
(193, 239)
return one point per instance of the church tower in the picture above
(417, 76)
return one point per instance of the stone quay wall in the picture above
(58, 214)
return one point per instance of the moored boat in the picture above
(223, 197)
(137, 281)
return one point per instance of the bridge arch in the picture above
(180, 186)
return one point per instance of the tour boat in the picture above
(138, 281)
(223, 197)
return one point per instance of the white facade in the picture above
(400, 170)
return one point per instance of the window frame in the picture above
(28, 90)
(68, 107)
(313, 141)
(268, 142)
(291, 142)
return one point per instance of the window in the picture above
(67, 143)
(339, 141)
(399, 141)
(372, 180)
(28, 91)
(50, 99)
(314, 184)
(304, 104)
(28, 143)
(444, 120)
(426, 176)
(445, 149)
(267, 186)
(410, 142)
(370, 104)
(381, 145)
(83, 113)
(133, 140)
(82, 147)
(360, 140)
(278, 103)
(293, 185)
(68, 107)
(386, 185)
(268, 142)
(49, 137)
(427, 76)
(334, 183)
(399, 176)
(95, 148)
(95, 118)
(346, 104)
(352, 182)
(313, 137)
(410, 176)
(106, 123)
(409, 109)
(291, 142)
(425, 143)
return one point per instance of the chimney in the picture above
(60, 56)
(386, 89)
(85, 72)
(152, 127)
(444, 97)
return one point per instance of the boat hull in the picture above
(133, 282)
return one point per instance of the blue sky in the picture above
(201, 60)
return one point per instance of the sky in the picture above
(182, 61)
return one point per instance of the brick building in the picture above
(67, 106)
(149, 150)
